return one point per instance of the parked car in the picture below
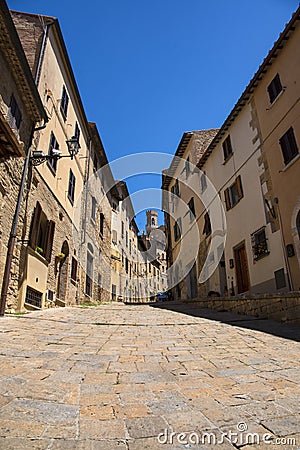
(162, 296)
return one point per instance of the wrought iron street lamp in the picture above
(38, 156)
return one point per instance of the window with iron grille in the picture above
(53, 145)
(289, 146)
(259, 244)
(64, 103)
(71, 187)
(33, 297)
(14, 114)
(274, 88)
(227, 148)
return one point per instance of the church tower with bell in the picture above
(152, 220)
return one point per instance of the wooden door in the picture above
(241, 269)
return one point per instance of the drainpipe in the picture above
(13, 232)
(288, 270)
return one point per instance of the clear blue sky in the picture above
(149, 70)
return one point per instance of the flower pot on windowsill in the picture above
(39, 250)
(59, 258)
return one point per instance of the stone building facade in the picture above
(251, 167)
(21, 110)
(276, 102)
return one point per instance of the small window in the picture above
(14, 114)
(126, 239)
(227, 148)
(74, 269)
(130, 245)
(77, 131)
(274, 88)
(94, 208)
(64, 103)
(191, 205)
(234, 193)
(122, 231)
(187, 167)
(101, 225)
(114, 206)
(259, 244)
(289, 146)
(203, 182)
(177, 229)
(71, 187)
(207, 225)
(280, 279)
(52, 163)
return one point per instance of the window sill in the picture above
(275, 100)
(290, 163)
(71, 200)
(227, 159)
(257, 258)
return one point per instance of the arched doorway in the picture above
(63, 269)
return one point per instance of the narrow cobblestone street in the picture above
(116, 376)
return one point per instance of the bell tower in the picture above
(152, 217)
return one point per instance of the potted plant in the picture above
(39, 250)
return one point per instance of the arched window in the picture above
(153, 221)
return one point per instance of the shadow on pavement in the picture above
(253, 323)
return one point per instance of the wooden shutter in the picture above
(227, 199)
(239, 187)
(49, 239)
(35, 223)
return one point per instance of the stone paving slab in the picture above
(118, 376)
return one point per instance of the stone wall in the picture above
(282, 308)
